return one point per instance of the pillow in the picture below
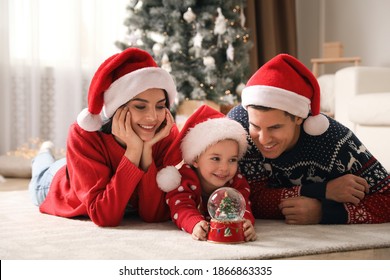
(16, 166)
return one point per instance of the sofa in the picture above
(362, 103)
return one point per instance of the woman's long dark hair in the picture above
(107, 127)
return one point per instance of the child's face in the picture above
(217, 165)
(273, 131)
(147, 112)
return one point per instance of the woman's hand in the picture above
(125, 135)
(146, 157)
(200, 231)
(164, 131)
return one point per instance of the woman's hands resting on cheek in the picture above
(125, 135)
(146, 156)
(137, 151)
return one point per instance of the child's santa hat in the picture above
(204, 128)
(286, 84)
(119, 79)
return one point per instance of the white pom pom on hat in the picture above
(119, 79)
(205, 127)
(286, 84)
(168, 178)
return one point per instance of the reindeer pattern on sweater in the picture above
(306, 169)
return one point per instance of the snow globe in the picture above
(226, 207)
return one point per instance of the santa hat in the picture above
(286, 84)
(119, 79)
(204, 127)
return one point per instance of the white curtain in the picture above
(49, 50)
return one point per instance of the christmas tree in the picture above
(203, 44)
(228, 208)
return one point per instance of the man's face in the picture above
(273, 131)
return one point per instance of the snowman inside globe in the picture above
(226, 207)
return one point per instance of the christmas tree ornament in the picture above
(138, 6)
(189, 16)
(242, 18)
(157, 49)
(230, 52)
(220, 23)
(133, 37)
(198, 40)
(226, 207)
(165, 63)
(209, 62)
(157, 37)
(175, 47)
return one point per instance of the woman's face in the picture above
(147, 112)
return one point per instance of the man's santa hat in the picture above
(204, 128)
(286, 84)
(118, 79)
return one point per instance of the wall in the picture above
(363, 27)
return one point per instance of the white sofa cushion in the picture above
(326, 83)
(372, 109)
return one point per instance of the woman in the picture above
(115, 148)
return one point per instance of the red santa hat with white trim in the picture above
(204, 128)
(286, 84)
(118, 79)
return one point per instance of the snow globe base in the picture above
(226, 231)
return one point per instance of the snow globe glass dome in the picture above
(226, 204)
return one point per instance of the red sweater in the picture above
(98, 181)
(188, 206)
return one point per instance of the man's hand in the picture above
(301, 210)
(347, 188)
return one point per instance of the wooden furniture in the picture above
(332, 52)
(327, 60)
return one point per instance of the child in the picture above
(115, 148)
(211, 146)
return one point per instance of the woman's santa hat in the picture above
(118, 79)
(286, 84)
(204, 128)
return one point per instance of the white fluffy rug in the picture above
(27, 234)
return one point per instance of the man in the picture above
(302, 165)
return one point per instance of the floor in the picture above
(12, 184)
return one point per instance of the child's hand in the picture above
(249, 231)
(200, 231)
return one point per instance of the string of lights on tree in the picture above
(203, 44)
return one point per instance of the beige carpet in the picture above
(27, 234)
